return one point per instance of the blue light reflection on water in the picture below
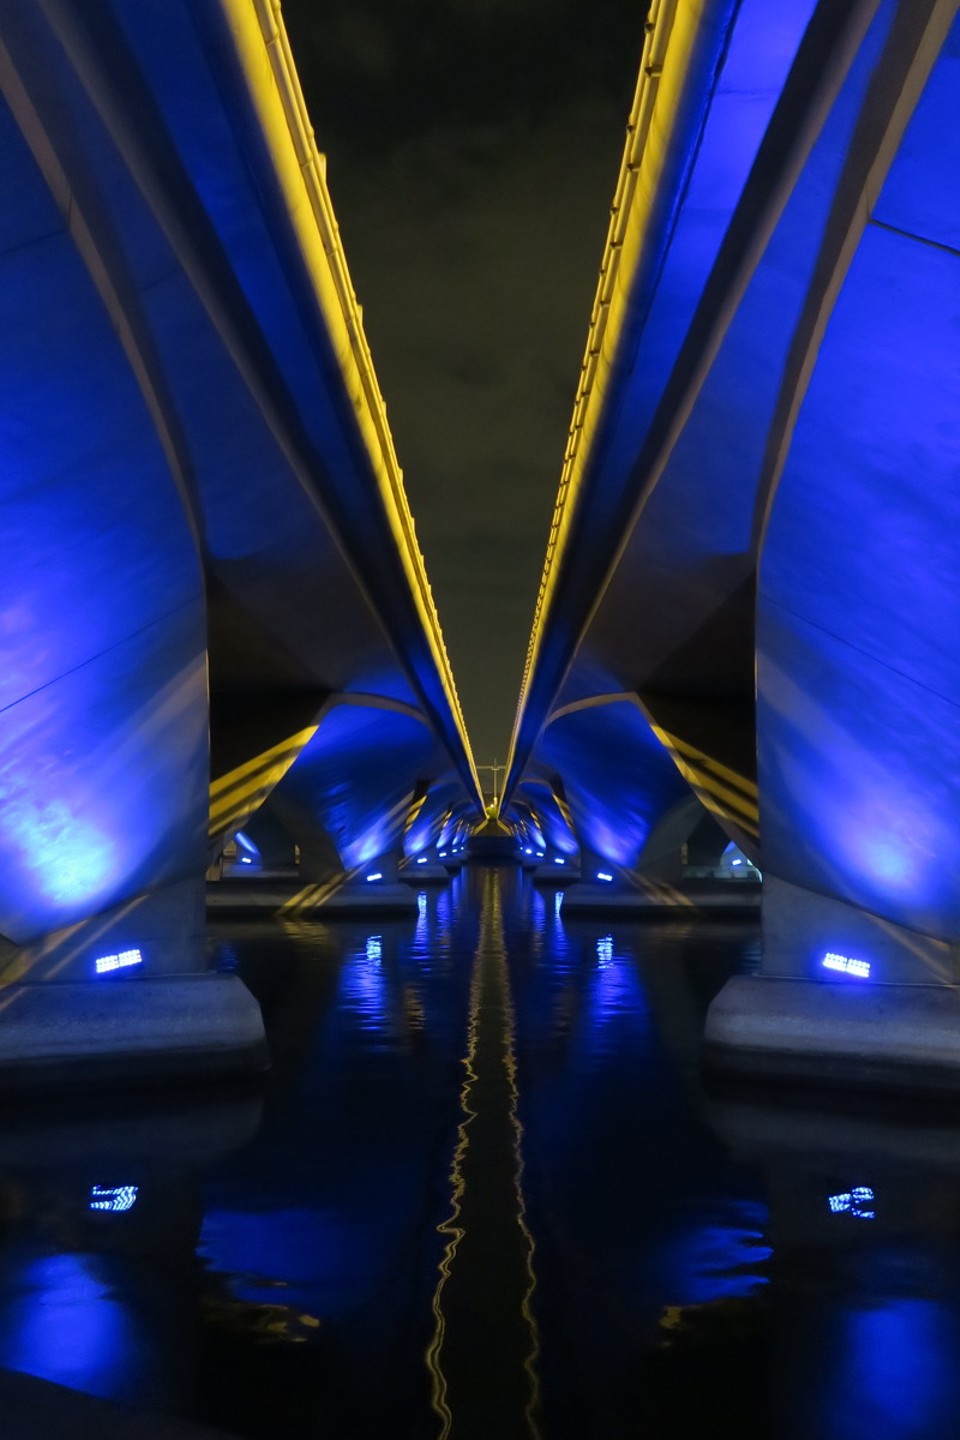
(888, 1368)
(64, 1323)
(655, 1252)
(720, 1255)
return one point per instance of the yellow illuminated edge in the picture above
(672, 26)
(266, 61)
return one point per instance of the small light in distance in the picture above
(443, 854)
(853, 1202)
(846, 965)
(106, 963)
(602, 875)
(115, 1198)
(245, 860)
(558, 860)
(421, 859)
(375, 876)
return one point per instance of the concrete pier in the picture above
(163, 1030)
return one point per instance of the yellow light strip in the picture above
(671, 28)
(705, 761)
(314, 894)
(663, 893)
(415, 809)
(243, 790)
(265, 59)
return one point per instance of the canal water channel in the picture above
(485, 1192)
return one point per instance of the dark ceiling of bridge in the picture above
(473, 148)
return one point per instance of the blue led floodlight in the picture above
(115, 1198)
(377, 875)
(603, 875)
(846, 966)
(106, 963)
(421, 859)
(557, 860)
(853, 1202)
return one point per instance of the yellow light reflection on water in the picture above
(489, 1065)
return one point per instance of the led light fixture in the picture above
(115, 1198)
(557, 860)
(375, 876)
(106, 963)
(853, 1202)
(846, 965)
(602, 875)
(421, 859)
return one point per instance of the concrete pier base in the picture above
(117, 1032)
(432, 873)
(658, 901)
(381, 898)
(286, 900)
(892, 1037)
(549, 873)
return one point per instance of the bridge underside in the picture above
(757, 527)
(211, 591)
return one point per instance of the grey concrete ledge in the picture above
(556, 874)
(32, 1408)
(152, 1029)
(252, 898)
(585, 898)
(893, 1037)
(424, 875)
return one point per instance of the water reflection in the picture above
(99, 1217)
(649, 1240)
(483, 1354)
(864, 1207)
(484, 1141)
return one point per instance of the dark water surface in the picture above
(483, 1193)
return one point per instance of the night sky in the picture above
(472, 151)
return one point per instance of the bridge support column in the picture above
(843, 997)
(126, 997)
